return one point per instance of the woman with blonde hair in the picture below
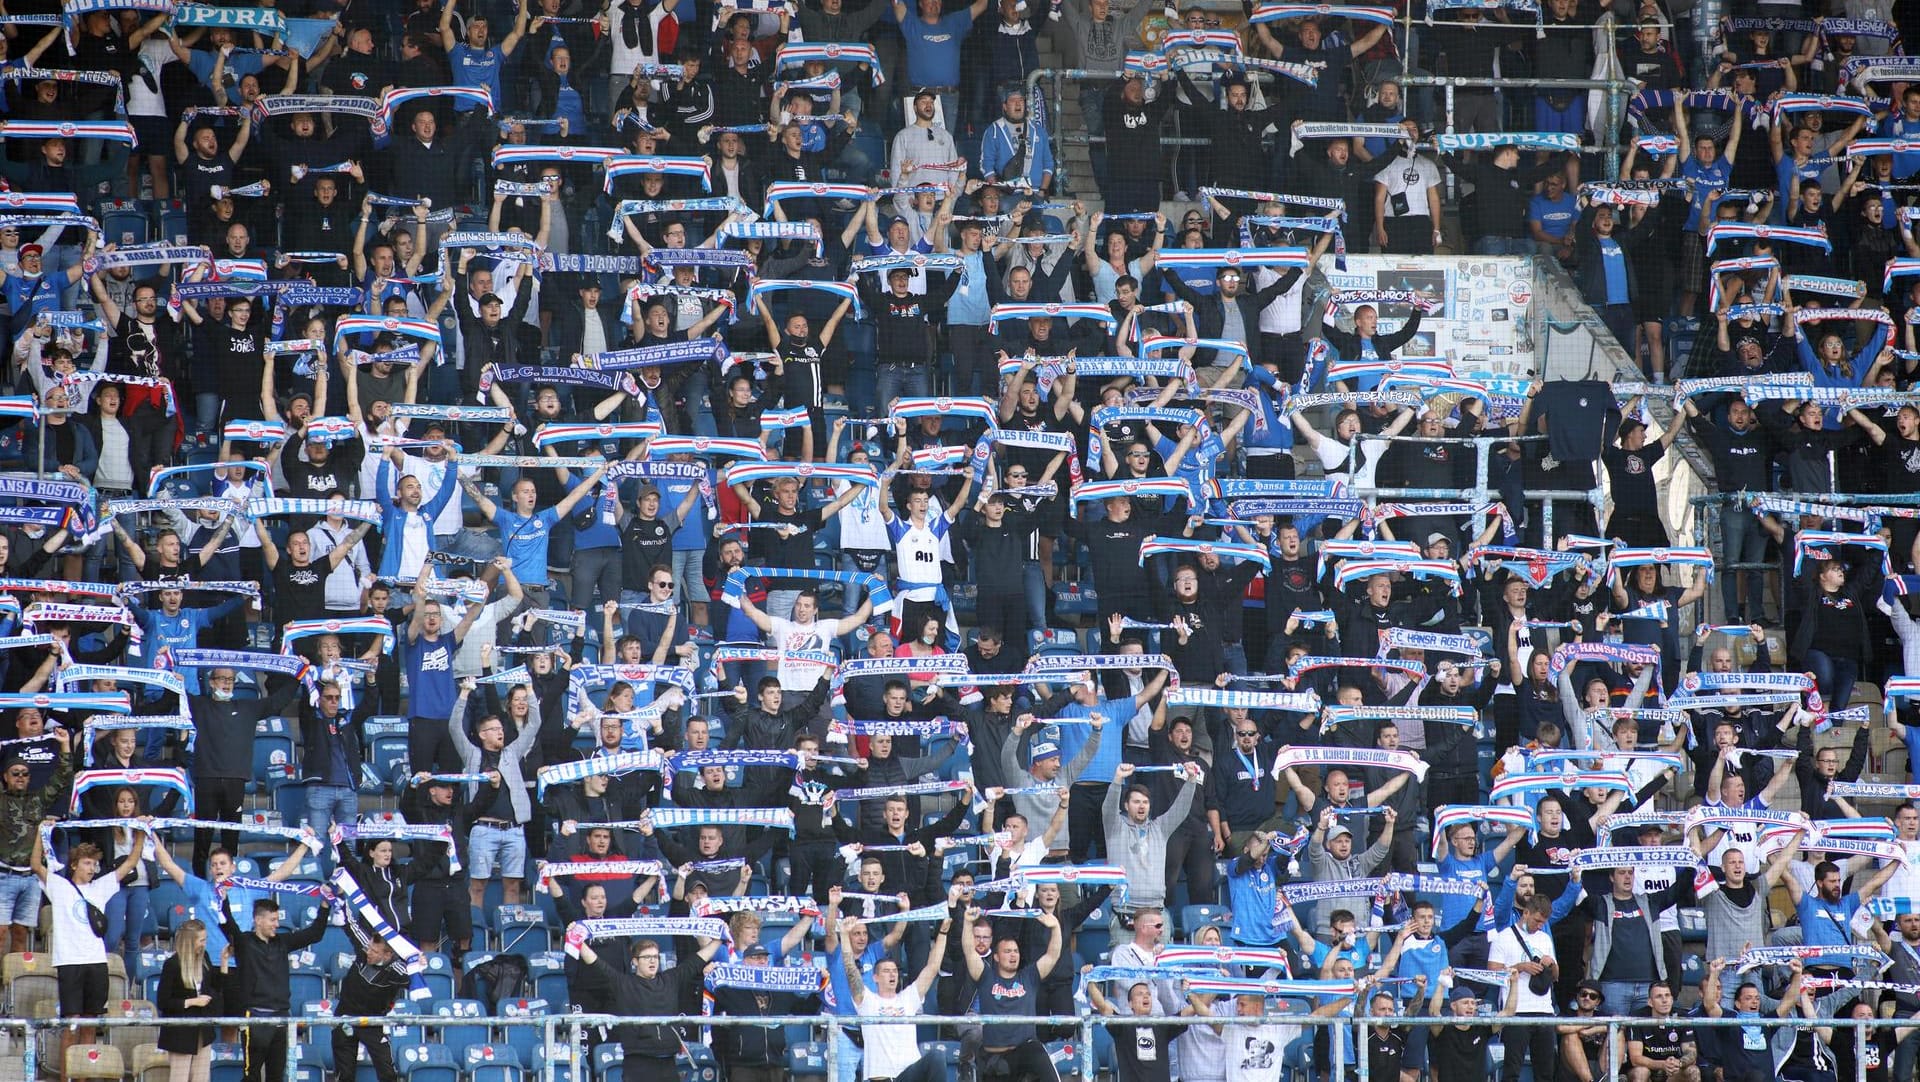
(190, 987)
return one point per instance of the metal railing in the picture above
(564, 1036)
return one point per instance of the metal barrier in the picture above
(1483, 449)
(1617, 94)
(564, 1036)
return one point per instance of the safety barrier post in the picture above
(1086, 1048)
(833, 1047)
(293, 1046)
(1859, 1052)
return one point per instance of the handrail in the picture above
(571, 1050)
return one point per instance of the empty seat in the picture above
(95, 1061)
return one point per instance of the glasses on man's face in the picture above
(662, 584)
(330, 697)
(1588, 995)
(1138, 454)
(1247, 734)
(646, 958)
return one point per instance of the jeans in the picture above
(330, 804)
(1835, 677)
(496, 850)
(1742, 543)
(1093, 100)
(689, 581)
(1035, 582)
(849, 1058)
(1623, 997)
(904, 381)
(780, 603)
(206, 413)
(126, 914)
(19, 899)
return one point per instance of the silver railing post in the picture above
(833, 1047)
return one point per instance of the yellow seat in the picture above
(95, 1061)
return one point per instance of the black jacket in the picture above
(1210, 310)
(225, 731)
(171, 999)
(264, 984)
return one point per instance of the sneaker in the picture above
(1659, 379)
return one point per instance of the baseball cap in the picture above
(1045, 749)
(1460, 992)
(758, 950)
(31, 249)
(1437, 537)
(491, 298)
(1337, 831)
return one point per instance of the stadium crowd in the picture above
(668, 510)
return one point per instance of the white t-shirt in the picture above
(1652, 880)
(1333, 456)
(74, 943)
(1407, 182)
(789, 637)
(1254, 1052)
(1505, 949)
(890, 1049)
(144, 98)
(1905, 882)
(861, 527)
(432, 475)
(343, 582)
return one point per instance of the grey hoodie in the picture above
(1142, 851)
(1326, 868)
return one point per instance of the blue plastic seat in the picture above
(463, 1033)
(1192, 917)
(807, 1060)
(273, 762)
(524, 1041)
(318, 1052)
(609, 1063)
(698, 1065)
(229, 1063)
(428, 1063)
(439, 976)
(521, 929)
(550, 977)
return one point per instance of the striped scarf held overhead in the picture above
(375, 921)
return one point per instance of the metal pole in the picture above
(1086, 1048)
(833, 1048)
(293, 1048)
(1363, 1028)
(1859, 1052)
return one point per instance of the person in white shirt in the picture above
(924, 152)
(805, 631)
(1527, 946)
(353, 572)
(893, 1050)
(1336, 451)
(78, 901)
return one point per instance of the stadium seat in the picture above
(149, 1064)
(698, 1065)
(95, 1061)
(521, 929)
(549, 972)
(439, 976)
(559, 1059)
(127, 1039)
(807, 1060)
(229, 1062)
(319, 1051)
(609, 1063)
(523, 1041)
(428, 1063)
(308, 980)
(1192, 917)
(948, 1053)
(460, 1034)
(125, 222)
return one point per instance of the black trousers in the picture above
(1191, 847)
(347, 1042)
(266, 1049)
(430, 747)
(814, 867)
(1084, 829)
(216, 800)
(1541, 1043)
(1027, 1062)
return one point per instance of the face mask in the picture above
(929, 637)
(222, 696)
